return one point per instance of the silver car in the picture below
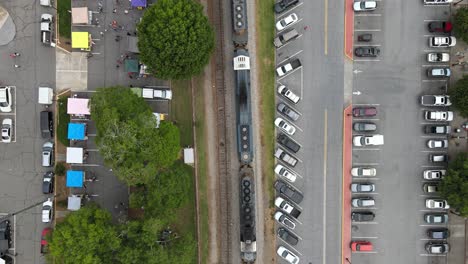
(288, 112)
(362, 187)
(363, 202)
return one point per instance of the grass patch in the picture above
(181, 110)
(266, 62)
(63, 120)
(202, 176)
(64, 18)
(185, 216)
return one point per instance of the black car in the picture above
(364, 126)
(288, 143)
(48, 182)
(283, 188)
(283, 5)
(433, 129)
(364, 37)
(362, 216)
(438, 233)
(287, 236)
(440, 26)
(367, 51)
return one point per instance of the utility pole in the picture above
(22, 210)
(456, 3)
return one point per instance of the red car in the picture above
(44, 234)
(439, 26)
(364, 111)
(361, 246)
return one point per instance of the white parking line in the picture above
(365, 252)
(92, 150)
(434, 225)
(367, 60)
(437, 50)
(435, 20)
(370, 30)
(364, 164)
(433, 210)
(289, 73)
(365, 223)
(442, 80)
(438, 5)
(433, 166)
(365, 178)
(289, 11)
(366, 119)
(365, 105)
(287, 44)
(364, 208)
(433, 151)
(435, 137)
(290, 106)
(367, 45)
(364, 148)
(85, 165)
(435, 65)
(363, 237)
(300, 19)
(368, 15)
(433, 255)
(91, 135)
(289, 57)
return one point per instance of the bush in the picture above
(60, 169)
(461, 24)
(459, 95)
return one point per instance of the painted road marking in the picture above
(435, 137)
(367, 45)
(363, 30)
(435, 20)
(364, 148)
(435, 65)
(288, 58)
(325, 27)
(432, 255)
(365, 252)
(365, 223)
(289, 42)
(366, 119)
(433, 151)
(364, 237)
(442, 80)
(364, 164)
(289, 11)
(366, 60)
(433, 166)
(366, 104)
(368, 15)
(434, 225)
(324, 206)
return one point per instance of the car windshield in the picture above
(437, 219)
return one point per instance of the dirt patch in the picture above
(65, 44)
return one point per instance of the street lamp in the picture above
(347, 259)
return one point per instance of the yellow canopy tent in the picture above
(81, 40)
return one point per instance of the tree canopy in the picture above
(459, 95)
(461, 23)
(454, 186)
(175, 39)
(127, 137)
(86, 236)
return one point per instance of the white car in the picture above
(436, 143)
(371, 140)
(287, 255)
(288, 94)
(48, 154)
(437, 204)
(434, 174)
(47, 210)
(364, 6)
(363, 172)
(285, 173)
(46, 22)
(6, 130)
(285, 220)
(437, 2)
(438, 57)
(438, 115)
(285, 126)
(442, 42)
(286, 21)
(5, 99)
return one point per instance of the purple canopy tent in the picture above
(139, 3)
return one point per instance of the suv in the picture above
(48, 182)
(437, 248)
(363, 202)
(436, 218)
(288, 143)
(436, 158)
(433, 129)
(288, 112)
(362, 216)
(288, 191)
(438, 115)
(48, 154)
(284, 5)
(287, 236)
(442, 42)
(364, 127)
(5, 99)
(438, 233)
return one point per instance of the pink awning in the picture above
(78, 106)
(80, 15)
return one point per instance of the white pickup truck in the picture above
(435, 100)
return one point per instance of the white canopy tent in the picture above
(74, 155)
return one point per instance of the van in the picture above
(47, 124)
(361, 246)
(285, 37)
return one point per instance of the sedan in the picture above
(442, 42)
(438, 72)
(436, 218)
(362, 187)
(7, 125)
(5, 99)
(287, 236)
(438, 158)
(288, 112)
(362, 216)
(437, 204)
(283, 219)
(48, 182)
(364, 127)
(287, 255)
(363, 202)
(364, 6)
(363, 172)
(45, 233)
(438, 57)
(431, 188)
(288, 94)
(286, 21)
(285, 173)
(47, 210)
(438, 233)
(366, 111)
(366, 51)
(288, 191)
(437, 248)
(285, 126)
(434, 174)
(440, 26)
(436, 143)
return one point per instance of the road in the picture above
(20, 162)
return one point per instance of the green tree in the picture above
(461, 23)
(86, 236)
(127, 137)
(169, 190)
(454, 186)
(175, 39)
(459, 95)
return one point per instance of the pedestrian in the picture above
(127, 56)
(17, 66)
(128, 33)
(114, 11)
(102, 33)
(16, 54)
(117, 66)
(306, 27)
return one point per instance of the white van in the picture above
(46, 3)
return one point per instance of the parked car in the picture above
(47, 124)
(286, 21)
(362, 216)
(371, 140)
(287, 255)
(359, 6)
(438, 233)
(282, 218)
(44, 244)
(5, 99)
(437, 204)
(287, 207)
(438, 115)
(363, 202)
(48, 154)
(291, 193)
(431, 188)
(47, 211)
(365, 37)
(288, 94)
(288, 67)
(362, 187)
(436, 158)
(288, 143)
(285, 173)
(366, 111)
(440, 26)
(434, 174)
(436, 143)
(48, 182)
(436, 218)
(287, 236)
(437, 2)
(361, 246)
(363, 172)
(285, 157)
(285, 126)
(435, 100)
(442, 42)
(288, 112)
(437, 247)
(364, 126)
(367, 51)
(438, 72)
(284, 5)
(438, 57)
(7, 127)
(285, 37)
(436, 129)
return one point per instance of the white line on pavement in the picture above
(434, 20)
(366, 60)
(363, 237)
(435, 225)
(364, 148)
(368, 15)
(438, 50)
(366, 119)
(366, 104)
(432, 166)
(363, 164)
(289, 57)
(363, 30)
(365, 178)
(367, 45)
(324, 206)
(289, 11)
(432, 255)
(287, 44)
(435, 137)
(442, 80)
(365, 223)
(365, 252)
(435, 65)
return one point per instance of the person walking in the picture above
(17, 66)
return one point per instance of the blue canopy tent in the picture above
(76, 131)
(75, 178)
